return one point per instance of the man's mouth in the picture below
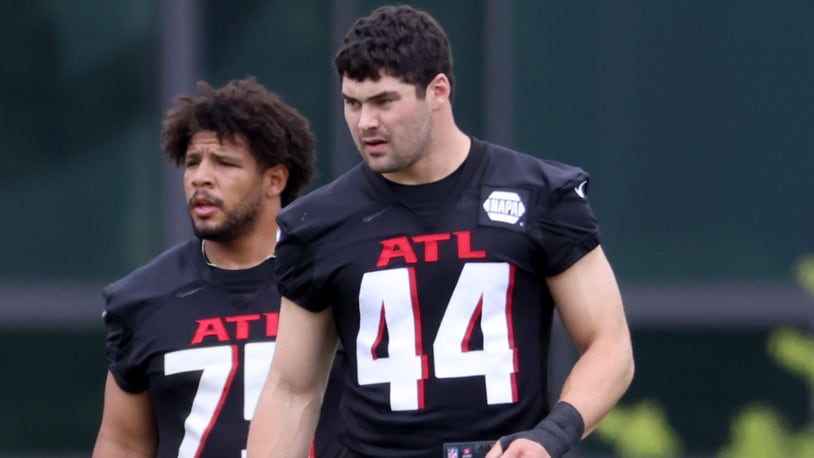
(374, 145)
(203, 206)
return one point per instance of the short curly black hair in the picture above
(399, 41)
(276, 132)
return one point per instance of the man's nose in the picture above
(368, 118)
(201, 174)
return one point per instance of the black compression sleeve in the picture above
(558, 432)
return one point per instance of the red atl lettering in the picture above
(431, 245)
(210, 327)
(272, 319)
(465, 246)
(217, 327)
(398, 247)
(402, 247)
(242, 324)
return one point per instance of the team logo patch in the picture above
(504, 208)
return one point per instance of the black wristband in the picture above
(558, 432)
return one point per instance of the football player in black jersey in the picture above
(437, 262)
(191, 333)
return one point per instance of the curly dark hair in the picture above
(276, 132)
(403, 42)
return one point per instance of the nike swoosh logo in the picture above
(580, 190)
(189, 292)
(370, 218)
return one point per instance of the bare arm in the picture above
(590, 305)
(288, 408)
(128, 424)
(589, 302)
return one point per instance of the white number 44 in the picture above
(388, 300)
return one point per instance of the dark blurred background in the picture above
(693, 117)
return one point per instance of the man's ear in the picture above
(275, 179)
(439, 90)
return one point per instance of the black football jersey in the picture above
(200, 340)
(444, 316)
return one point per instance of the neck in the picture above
(452, 152)
(443, 156)
(242, 253)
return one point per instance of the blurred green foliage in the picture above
(793, 350)
(804, 271)
(638, 431)
(757, 431)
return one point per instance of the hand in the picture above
(519, 448)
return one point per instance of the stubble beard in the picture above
(238, 221)
(400, 158)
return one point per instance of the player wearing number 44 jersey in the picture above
(438, 263)
(191, 334)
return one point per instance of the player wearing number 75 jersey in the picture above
(191, 334)
(438, 263)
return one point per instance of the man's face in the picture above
(390, 125)
(223, 186)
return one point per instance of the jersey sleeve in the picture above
(312, 228)
(131, 301)
(130, 373)
(567, 227)
(295, 268)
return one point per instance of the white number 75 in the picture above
(218, 365)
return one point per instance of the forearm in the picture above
(591, 308)
(599, 378)
(596, 382)
(288, 409)
(285, 426)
